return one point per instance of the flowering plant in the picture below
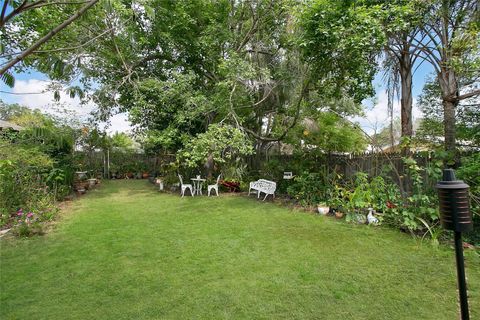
(26, 224)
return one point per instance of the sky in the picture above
(376, 111)
(36, 82)
(376, 115)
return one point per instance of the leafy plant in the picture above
(309, 189)
(470, 173)
(26, 179)
(418, 211)
(221, 143)
(26, 224)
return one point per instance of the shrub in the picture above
(23, 184)
(309, 188)
(470, 173)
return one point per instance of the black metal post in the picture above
(462, 285)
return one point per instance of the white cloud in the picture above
(376, 117)
(46, 103)
(120, 123)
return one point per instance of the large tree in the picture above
(449, 42)
(400, 21)
(341, 41)
(431, 129)
(179, 66)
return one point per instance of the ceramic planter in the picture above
(323, 210)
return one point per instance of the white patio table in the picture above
(197, 185)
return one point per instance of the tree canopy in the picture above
(264, 67)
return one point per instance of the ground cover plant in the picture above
(125, 251)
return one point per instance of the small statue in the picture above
(370, 216)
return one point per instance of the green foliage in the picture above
(309, 188)
(56, 57)
(469, 172)
(420, 208)
(362, 193)
(328, 132)
(340, 41)
(10, 111)
(8, 79)
(24, 172)
(220, 143)
(36, 168)
(431, 128)
(121, 141)
(169, 112)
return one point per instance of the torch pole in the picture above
(462, 285)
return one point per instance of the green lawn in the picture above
(125, 251)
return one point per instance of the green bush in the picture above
(309, 188)
(24, 173)
(470, 173)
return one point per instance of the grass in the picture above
(127, 252)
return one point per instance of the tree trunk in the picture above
(405, 66)
(210, 166)
(448, 85)
(406, 101)
(449, 126)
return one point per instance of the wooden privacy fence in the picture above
(390, 165)
(123, 162)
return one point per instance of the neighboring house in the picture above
(4, 125)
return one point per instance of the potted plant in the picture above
(359, 199)
(336, 201)
(129, 169)
(92, 180)
(323, 208)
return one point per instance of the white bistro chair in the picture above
(214, 186)
(184, 187)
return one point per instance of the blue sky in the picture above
(375, 115)
(35, 82)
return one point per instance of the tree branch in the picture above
(468, 95)
(15, 11)
(4, 9)
(294, 122)
(47, 37)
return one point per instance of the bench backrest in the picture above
(266, 185)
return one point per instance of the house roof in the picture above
(5, 125)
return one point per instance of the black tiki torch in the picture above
(455, 215)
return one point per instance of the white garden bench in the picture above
(265, 186)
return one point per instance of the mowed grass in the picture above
(125, 251)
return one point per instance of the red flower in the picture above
(390, 205)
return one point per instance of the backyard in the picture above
(126, 251)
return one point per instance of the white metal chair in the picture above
(184, 187)
(214, 186)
